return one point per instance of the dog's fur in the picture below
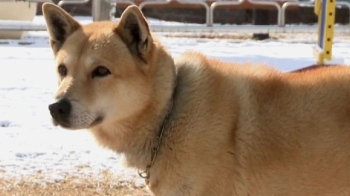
(233, 129)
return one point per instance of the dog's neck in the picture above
(145, 154)
(157, 144)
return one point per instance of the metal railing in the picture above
(310, 3)
(221, 3)
(344, 3)
(30, 1)
(294, 3)
(209, 10)
(154, 2)
(28, 26)
(67, 2)
(60, 3)
(162, 2)
(272, 3)
(199, 2)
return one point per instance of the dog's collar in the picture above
(146, 173)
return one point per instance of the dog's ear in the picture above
(59, 25)
(134, 30)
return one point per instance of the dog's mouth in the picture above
(62, 115)
(67, 125)
(97, 121)
(61, 123)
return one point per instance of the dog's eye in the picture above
(100, 71)
(62, 70)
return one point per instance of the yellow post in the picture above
(318, 52)
(325, 10)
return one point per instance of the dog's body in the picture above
(230, 129)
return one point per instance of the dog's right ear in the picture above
(134, 30)
(59, 25)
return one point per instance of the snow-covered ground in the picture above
(30, 144)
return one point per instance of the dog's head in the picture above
(104, 69)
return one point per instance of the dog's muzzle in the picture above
(60, 112)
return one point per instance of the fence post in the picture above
(325, 10)
(101, 10)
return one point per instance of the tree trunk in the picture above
(100, 10)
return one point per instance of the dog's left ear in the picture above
(134, 30)
(59, 25)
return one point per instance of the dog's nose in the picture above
(60, 110)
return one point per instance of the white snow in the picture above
(30, 144)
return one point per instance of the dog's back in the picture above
(262, 132)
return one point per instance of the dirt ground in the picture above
(30, 186)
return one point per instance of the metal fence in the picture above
(281, 7)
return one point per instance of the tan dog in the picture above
(228, 129)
